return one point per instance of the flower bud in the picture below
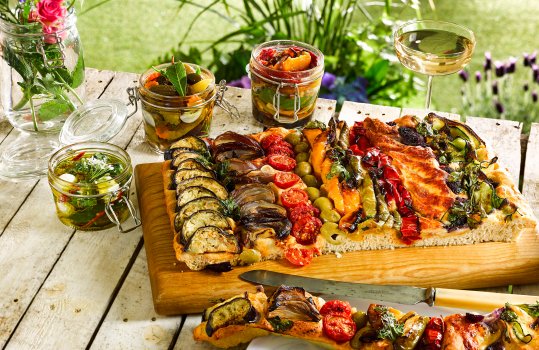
(526, 87)
(477, 76)
(495, 87)
(534, 96)
(488, 61)
(499, 107)
(535, 72)
(499, 69)
(463, 74)
(511, 66)
(526, 61)
(533, 58)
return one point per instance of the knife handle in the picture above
(474, 300)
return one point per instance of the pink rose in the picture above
(33, 16)
(50, 31)
(50, 11)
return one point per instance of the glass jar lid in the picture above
(98, 120)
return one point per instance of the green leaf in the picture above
(52, 109)
(176, 74)
(78, 73)
(18, 63)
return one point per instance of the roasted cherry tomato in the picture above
(285, 180)
(281, 162)
(270, 140)
(336, 307)
(299, 256)
(433, 334)
(293, 197)
(339, 328)
(302, 209)
(281, 148)
(306, 229)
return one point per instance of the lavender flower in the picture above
(534, 96)
(499, 107)
(526, 87)
(488, 61)
(243, 82)
(499, 69)
(328, 81)
(535, 72)
(495, 87)
(511, 66)
(533, 57)
(526, 61)
(463, 74)
(477, 76)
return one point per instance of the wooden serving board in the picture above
(178, 290)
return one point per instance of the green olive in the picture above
(332, 233)
(250, 256)
(303, 168)
(310, 180)
(366, 333)
(301, 147)
(313, 193)
(330, 216)
(302, 157)
(360, 319)
(323, 203)
(293, 138)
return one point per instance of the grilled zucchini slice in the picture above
(191, 142)
(191, 193)
(210, 184)
(212, 239)
(237, 310)
(209, 203)
(200, 219)
(180, 155)
(186, 174)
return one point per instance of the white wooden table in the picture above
(67, 289)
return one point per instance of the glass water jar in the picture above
(284, 98)
(169, 117)
(41, 73)
(92, 205)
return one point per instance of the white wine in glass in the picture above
(433, 48)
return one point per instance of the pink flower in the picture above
(33, 16)
(50, 31)
(50, 11)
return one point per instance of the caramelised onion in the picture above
(251, 193)
(255, 176)
(281, 227)
(293, 303)
(239, 167)
(261, 211)
(236, 150)
(231, 136)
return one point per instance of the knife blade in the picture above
(454, 298)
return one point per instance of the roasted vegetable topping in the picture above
(279, 325)
(292, 303)
(237, 310)
(384, 322)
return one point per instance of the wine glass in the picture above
(433, 48)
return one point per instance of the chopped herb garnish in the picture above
(279, 325)
(231, 208)
(391, 328)
(531, 309)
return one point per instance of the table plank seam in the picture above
(117, 289)
(7, 135)
(176, 336)
(106, 86)
(19, 208)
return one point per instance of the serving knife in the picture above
(454, 298)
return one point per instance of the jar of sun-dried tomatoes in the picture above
(285, 80)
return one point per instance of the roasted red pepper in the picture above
(433, 335)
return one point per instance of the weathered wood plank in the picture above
(530, 187)
(131, 322)
(324, 109)
(503, 137)
(245, 124)
(186, 341)
(353, 111)
(80, 290)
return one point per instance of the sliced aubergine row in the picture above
(237, 310)
(200, 219)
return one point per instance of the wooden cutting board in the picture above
(178, 290)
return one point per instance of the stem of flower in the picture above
(21, 103)
(69, 88)
(34, 117)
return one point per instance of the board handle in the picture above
(474, 300)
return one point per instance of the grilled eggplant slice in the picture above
(237, 310)
(194, 164)
(212, 239)
(292, 303)
(191, 193)
(180, 155)
(210, 184)
(200, 219)
(203, 203)
(191, 142)
(186, 174)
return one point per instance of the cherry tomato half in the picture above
(285, 180)
(281, 162)
(293, 197)
(306, 229)
(339, 328)
(336, 307)
(299, 256)
(281, 148)
(270, 140)
(302, 209)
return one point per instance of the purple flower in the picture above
(535, 72)
(526, 87)
(243, 82)
(511, 66)
(495, 87)
(526, 61)
(477, 76)
(328, 81)
(488, 61)
(463, 74)
(499, 69)
(499, 107)
(534, 96)
(533, 57)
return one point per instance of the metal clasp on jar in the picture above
(222, 102)
(111, 214)
(52, 63)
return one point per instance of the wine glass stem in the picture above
(429, 92)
